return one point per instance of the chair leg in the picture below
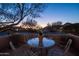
(67, 46)
(11, 45)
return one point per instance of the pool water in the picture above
(46, 42)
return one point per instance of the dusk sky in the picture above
(59, 12)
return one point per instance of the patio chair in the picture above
(11, 45)
(22, 51)
(57, 51)
(67, 46)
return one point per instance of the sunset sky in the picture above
(65, 12)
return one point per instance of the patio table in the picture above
(43, 49)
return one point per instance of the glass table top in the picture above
(46, 42)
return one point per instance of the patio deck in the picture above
(25, 50)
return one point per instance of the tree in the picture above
(13, 14)
(71, 28)
(57, 23)
(29, 23)
(48, 24)
(55, 26)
